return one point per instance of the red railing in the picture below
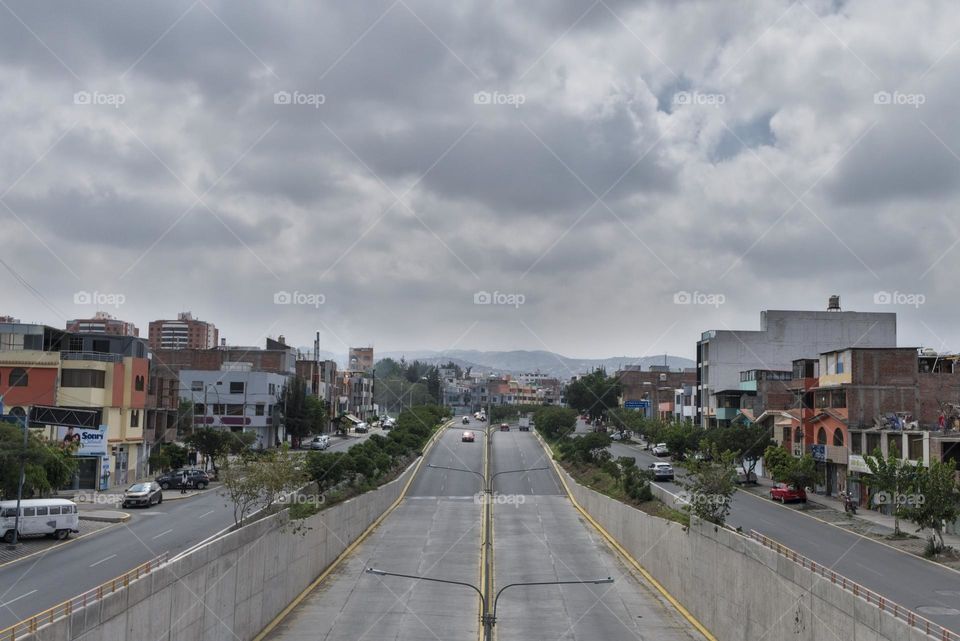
(31, 625)
(914, 620)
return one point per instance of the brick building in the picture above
(103, 323)
(186, 332)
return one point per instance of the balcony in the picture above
(92, 356)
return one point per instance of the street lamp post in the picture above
(488, 618)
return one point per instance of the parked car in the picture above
(466, 420)
(616, 436)
(504, 427)
(784, 493)
(661, 471)
(319, 442)
(361, 428)
(388, 423)
(468, 437)
(660, 449)
(143, 494)
(48, 517)
(195, 479)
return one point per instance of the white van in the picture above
(50, 517)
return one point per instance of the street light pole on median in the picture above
(488, 619)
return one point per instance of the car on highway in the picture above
(661, 471)
(466, 420)
(50, 517)
(504, 427)
(660, 449)
(468, 437)
(787, 493)
(319, 442)
(142, 495)
(195, 479)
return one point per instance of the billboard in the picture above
(91, 442)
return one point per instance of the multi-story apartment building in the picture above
(784, 336)
(186, 332)
(322, 382)
(238, 398)
(42, 366)
(356, 396)
(103, 323)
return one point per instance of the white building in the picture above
(236, 398)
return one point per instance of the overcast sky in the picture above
(384, 162)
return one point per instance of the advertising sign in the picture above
(819, 452)
(92, 442)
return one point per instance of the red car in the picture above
(783, 493)
(467, 437)
(504, 427)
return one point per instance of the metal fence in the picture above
(912, 619)
(31, 625)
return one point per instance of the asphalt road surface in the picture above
(31, 585)
(435, 531)
(929, 589)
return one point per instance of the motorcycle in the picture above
(848, 504)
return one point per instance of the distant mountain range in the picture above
(523, 361)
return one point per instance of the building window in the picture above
(83, 378)
(873, 443)
(196, 386)
(821, 436)
(198, 409)
(234, 409)
(259, 410)
(138, 383)
(915, 447)
(19, 377)
(273, 389)
(101, 346)
(856, 444)
(838, 437)
(236, 387)
(135, 418)
(798, 435)
(218, 409)
(786, 436)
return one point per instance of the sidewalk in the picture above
(881, 521)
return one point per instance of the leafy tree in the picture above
(710, 485)
(48, 465)
(890, 478)
(185, 414)
(784, 468)
(589, 449)
(256, 482)
(748, 444)
(433, 384)
(594, 394)
(216, 444)
(682, 438)
(168, 456)
(555, 422)
(936, 500)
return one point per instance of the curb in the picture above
(277, 620)
(121, 517)
(623, 552)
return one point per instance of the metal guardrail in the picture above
(91, 356)
(57, 612)
(914, 620)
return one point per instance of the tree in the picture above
(48, 465)
(168, 456)
(433, 384)
(682, 438)
(594, 394)
(801, 472)
(555, 422)
(257, 482)
(935, 500)
(710, 485)
(748, 444)
(216, 444)
(890, 478)
(184, 422)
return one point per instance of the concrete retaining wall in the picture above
(736, 587)
(232, 587)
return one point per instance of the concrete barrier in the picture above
(736, 587)
(231, 587)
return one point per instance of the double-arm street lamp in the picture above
(488, 616)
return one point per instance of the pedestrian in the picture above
(183, 482)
